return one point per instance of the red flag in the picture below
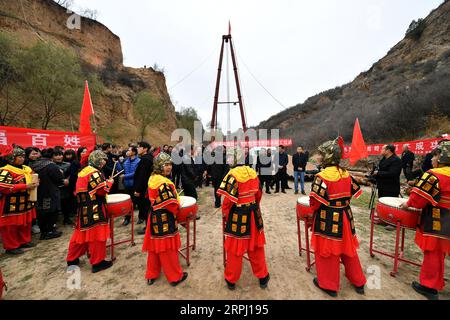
(87, 111)
(359, 149)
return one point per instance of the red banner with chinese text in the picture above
(42, 139)
(420, 147)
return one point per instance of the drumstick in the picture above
(114, 169)
(182, 190)
(118, 174)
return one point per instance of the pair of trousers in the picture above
(189, 190)
(15, 236)
(301, 175)
(328, 271)
(432, 272)
(265, 181)
(168, 261)
(281, 178)
(217, 199)
(47, 221)
(233, 267)
(97, 251)
(144, 207)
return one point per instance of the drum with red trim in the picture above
(388, 209)
(303, 208)
(188, 207)
(119, 205)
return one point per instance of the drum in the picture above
(188, 207)
(303, 209)
(388, 209)
(119, 205)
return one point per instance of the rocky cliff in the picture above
(393, 100)
(30, 21)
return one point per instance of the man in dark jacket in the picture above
(188, 176)
(143, 172)
(49, 198)
(388, 173)
(66, 205)
(264, 169)
(200, 168)
(218, 170)
(407, 162)
(427, 163)
(281, 175)
(299, 161)
(109, 166)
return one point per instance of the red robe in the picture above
(16, 210)
(240, 187)
(162, 241)
(334, 236)
(432, 195)
(92, 227)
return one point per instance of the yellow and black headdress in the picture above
(332, 152)
(11, 153)
(96, 157)
(161, 160)
(444, 148)
(235, 157)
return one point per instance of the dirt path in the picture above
(41, 272)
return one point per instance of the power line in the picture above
(194, 70)
(259, 82)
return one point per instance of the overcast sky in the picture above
(294, 48)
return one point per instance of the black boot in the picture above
(14, 252)
(126, 221)
(150, 281)
(174, 284)
(101, 266)
(430, 294)
(27, 245)
(264, 281)
(230, 286)
(75, 262)
(331, 293)
(50, 235)
(359, 290)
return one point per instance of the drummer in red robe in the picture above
(92, 227)
(244, 229)
(16, 209)
(432, 194)
(334, 237)
(162, 239)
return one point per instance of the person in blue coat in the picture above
(129, 166)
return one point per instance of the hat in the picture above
(444, 148)
(331, 152)
(235, 157)
(10, 154)
(96, 157)
(161, 160)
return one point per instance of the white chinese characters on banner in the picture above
(3, 138)
(72, 141)
(39, 139)
(419, 146)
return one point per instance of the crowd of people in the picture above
(76, 184)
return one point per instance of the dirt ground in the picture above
(40, 273)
